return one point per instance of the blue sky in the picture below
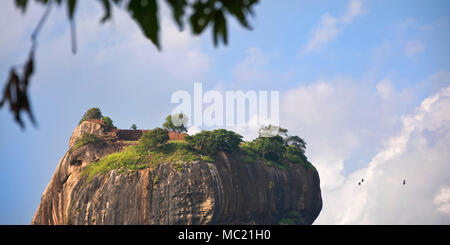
(352, 75)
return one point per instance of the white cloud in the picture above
(344, 122)
(326, 31)
(355, 8)
(412, 23)
(385, 89)
(251, 68)
(178, 48)
(412, 48)
(442, 200)
(418, 154)
(335, 117)
(330, 27)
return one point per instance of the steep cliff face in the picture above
(227, 191)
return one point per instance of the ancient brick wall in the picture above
(128, 134)
(176, 136)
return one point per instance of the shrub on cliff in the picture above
(176, 123)
(210, 142)
(154, 139)
(84, 140)
(108, 123)
(296, 142)
(227, 140)
(202, 141)
(93, 113)
(271, 148)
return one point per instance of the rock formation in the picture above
(227, 191)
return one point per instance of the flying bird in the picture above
(359, 183)
(404, 182)
(362, 180)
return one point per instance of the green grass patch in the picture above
(247, 155)
(135, 157)
(299, 159)
(172, 152)
(129, 158)
(177, 152)
(86, 139)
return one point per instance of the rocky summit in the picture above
(224, 190)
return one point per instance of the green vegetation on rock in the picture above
(126, 159)
(137, 157)
(86, 139)
(96, 113)
(272, 148)
(93, 113)
(295, 155)
(211, 142)
(155, 148)
(108, 123)
(154, 139)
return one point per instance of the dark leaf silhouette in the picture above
(220, 28)
(240, 9)
(145, 14)
(203, 13)
(71, 4)
(22, 4)
(107, 8)
(15, 92)
(214, 11)
(178, 10)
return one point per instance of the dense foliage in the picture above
(108, 123)
(296, 142)
(272, 148)
(154, 139)
(84, 140)
(133, 127)
(201, 141)
(226, 140)
(93, 113)
(154, 148)
(210, 142)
